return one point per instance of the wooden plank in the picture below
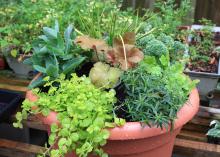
(14, 153)
(34, 123)
(13, 88)
(199, 146)
(188, 152)
(197, 128)
(192, 135)
(207, 115)
(200, 121)
(210, 110)
(14, 81)
(21, 147)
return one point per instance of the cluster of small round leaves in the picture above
(84, 113)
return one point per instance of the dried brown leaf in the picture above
(86, 42)
(128, 38)
(133, 56)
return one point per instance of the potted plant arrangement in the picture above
(14, 59)
(106, 90)
(203, 54)
(14, 39)
(214, 133)
(18, 27)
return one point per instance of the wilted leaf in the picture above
(97, 45)
(115, 54)
(128, 38)
(133, 56)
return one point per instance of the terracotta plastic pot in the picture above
(133, 140)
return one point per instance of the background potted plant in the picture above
(18, 28)
(203, 54)
(214, 132)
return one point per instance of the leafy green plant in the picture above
(162, 45)
(167, 16)
(104, 76)
(203, 55)
(22, 21)
(84, 114)
(156, 91)
(215, 131)
(203, 39)
(106, 20)
(54, 54)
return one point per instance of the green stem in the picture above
(147, 33)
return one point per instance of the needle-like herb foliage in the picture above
(156, 91)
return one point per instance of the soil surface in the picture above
(201, 66)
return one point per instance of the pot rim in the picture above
(134, 130)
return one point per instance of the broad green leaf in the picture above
(39, 68)
(67, 57)
(150, 60)
(67, 37)
(72, 64)
(44, 38)
(56, 50)
(60, 43)
(43, 50)
(54, 153)
(38, 60)
(52, 70)
(109, 125)
(18, 115)
(28, 61)
(50, 33)
(164, 60)
(62, 142)
(3, 43)
(74, 137)
(86, 122)
(64, 132)
(119, 121)
(106, 134)
(52, 138)
(45, 111)
(56, 27)
(14, 53)
(15, 42)
(54, 128)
